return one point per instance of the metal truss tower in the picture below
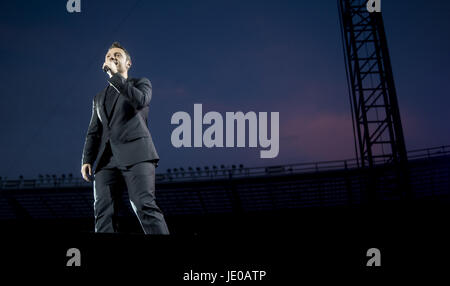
(376, 116)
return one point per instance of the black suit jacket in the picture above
(126, 129)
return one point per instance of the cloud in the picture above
(317, 137)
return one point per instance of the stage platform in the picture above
(285, 246)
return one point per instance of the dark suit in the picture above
(123, 148)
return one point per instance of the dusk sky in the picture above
(272, 56)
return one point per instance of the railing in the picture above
(224, 172)
(429, 152)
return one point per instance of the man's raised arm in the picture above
(139, 94)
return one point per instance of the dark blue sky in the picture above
(283, 56)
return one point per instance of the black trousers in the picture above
(139, 179)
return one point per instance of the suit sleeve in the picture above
(139, 93)
(93, 138)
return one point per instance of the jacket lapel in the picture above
(101, 107)
(116, 96)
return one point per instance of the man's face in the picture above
(119, 57)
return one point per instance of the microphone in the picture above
(106, 69)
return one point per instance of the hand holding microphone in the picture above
(110, 67)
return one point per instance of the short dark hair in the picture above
(118, 45)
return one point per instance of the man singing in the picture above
(119, 138)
